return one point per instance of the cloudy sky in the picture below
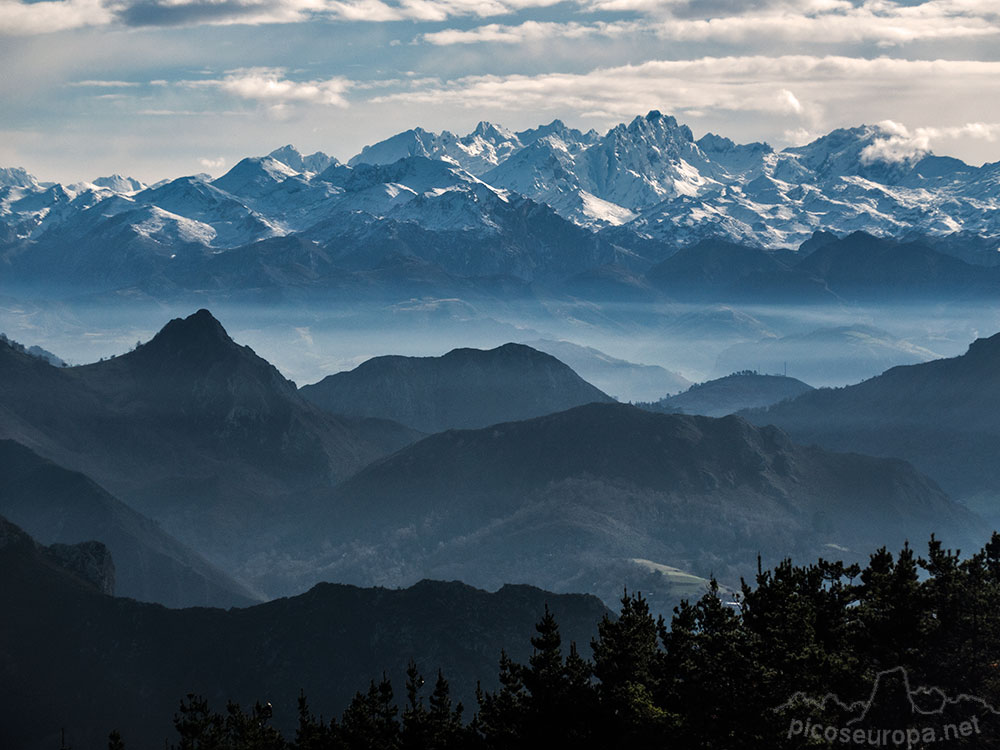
(161, 88)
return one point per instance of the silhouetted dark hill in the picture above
(465, 388)
(943, 416)
(191, 429)
(54, 504)
(586, 499)
(715, 270)
(858, 267)
(864, 267)
(741, 390)
(76, 659)
(611, 283)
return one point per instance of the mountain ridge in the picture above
(192, 430)
(461, 389)
(731, 394)
(648, 178)
(573, 499)
(940, 415)
(123, 664)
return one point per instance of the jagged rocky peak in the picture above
(488, 130)
(198, 346)
(91, 561)
(533, 134)
(120, 184)
(199, 335)
(413, 142)
(710, 142)
(419, 173)
(17, 177)
(252, 174)
(571, 137)
(876, 152)
(648, 174)
(290, 156)
(655, 122)
(713, 145)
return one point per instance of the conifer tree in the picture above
(415, 731)
(580, 701)
(501, 714)
(251, 731)
(445, 722)
(312, 733)
(961, 605)
(626, 656)
(712, 678)
(369, 722)
(544, 678)
(799, 617)
(198, 727)
(892, 622)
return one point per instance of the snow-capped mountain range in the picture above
(649, 178)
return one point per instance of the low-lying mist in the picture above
(822, 345)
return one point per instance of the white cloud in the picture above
(270, 86)
(790, 101)
(884, 24)
(987, 131)
(105, 84)
(799, 136)
(190, 12)
(896, 149)
(900, 144)
(822, 21)
(745, 83)
(530, 31)
(217, 163)
(169, 113)
(27, 19)
(20, 18)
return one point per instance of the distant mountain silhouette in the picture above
(190, 429)
(104, 663)
(58, 505)
(857, 267)
(465, 388)
(943, 416)
(626, 381)
(34, 351)
(568, 501)
(728, 395)
(717, 270)
(862, 267)
(826, 356)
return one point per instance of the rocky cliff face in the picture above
(89, 560)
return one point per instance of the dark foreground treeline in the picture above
(745, 674)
